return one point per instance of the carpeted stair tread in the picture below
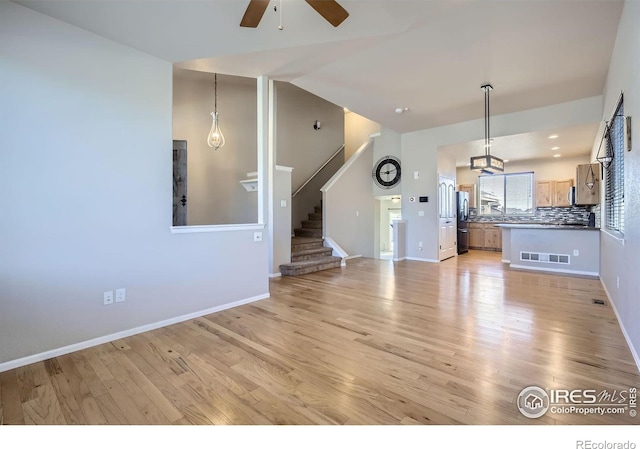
(312, 224)
(310, 266)
(315, 216)
(302, 243)
(303, 232)
(318, 209)
(311, 253)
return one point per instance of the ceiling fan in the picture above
(329, 9)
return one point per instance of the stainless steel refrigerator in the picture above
(462, 202)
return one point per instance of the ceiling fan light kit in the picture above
(487, 163)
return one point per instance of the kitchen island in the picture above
(551, 248)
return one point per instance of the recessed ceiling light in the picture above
(555, 148)
(553, 136)
(557, 155)
(401, 110)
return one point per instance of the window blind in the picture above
(510, 194)
(614, 184)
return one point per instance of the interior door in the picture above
(447, 218)
(179, 182)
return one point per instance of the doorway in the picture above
(390, 210)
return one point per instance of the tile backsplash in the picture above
(574, 214)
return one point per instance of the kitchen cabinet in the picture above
(493, 238)
(584, 195)
(485, 236)
(471, 190)
(553, 193)
(562, 192)
(476, 236)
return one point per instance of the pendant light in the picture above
(215, 139)
(590, 180)
(487, 163)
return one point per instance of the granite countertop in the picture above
(546, 226)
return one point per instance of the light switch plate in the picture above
(420, 213)
(283, 203)
(121, 295)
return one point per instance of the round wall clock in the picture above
(386, 172)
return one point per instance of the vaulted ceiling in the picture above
(428, 56)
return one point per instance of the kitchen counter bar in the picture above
(546, 226)
(551, 248)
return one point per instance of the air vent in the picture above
(545, 257)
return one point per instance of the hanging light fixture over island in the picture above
(487, 163)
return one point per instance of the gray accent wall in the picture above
(619, 259)
(86, 174)
(215, 193)
(299, 145)
(349, 208)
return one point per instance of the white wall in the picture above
(618, 259)
(357, 130)
(420, 153)
(215, 195)
(86, 175)
(544, 169)
(281, 220)
(350, 209)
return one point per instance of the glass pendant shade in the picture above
(215, 139)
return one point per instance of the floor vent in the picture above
(545, 257)
(599, 302)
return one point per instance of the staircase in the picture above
(307, 251)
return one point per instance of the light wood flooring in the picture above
(372, 343)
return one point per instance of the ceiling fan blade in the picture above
(330, 10)
(254, 13)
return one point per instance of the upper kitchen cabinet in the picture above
(588, 184)
(544, 193)
(562, 193)
(471, 190)
(553, 193)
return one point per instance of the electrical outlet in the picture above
(108, 297)
(257, 236)
(416, 175)
(420, 213)
(576, 252)
(419, 246)
(121, 295)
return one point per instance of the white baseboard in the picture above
(506, 261)
(275, 275)
(422, 260)
(400, 259)
(11, 364)
(634, 353)
(555, 270)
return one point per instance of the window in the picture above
(614, 172)
(506, 194)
